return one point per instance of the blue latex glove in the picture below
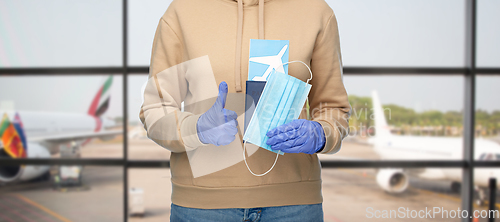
(298, 136)
(218, 126)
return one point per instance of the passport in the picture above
(253, 91)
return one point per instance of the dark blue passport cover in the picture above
(253, 91)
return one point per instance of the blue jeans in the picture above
(299, 213)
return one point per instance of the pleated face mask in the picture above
(281, 102)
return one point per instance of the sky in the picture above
(419, 33)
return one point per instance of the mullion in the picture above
(125, 107)
(346, 70)
(467, 187)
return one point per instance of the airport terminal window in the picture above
(389, 194)
(433, 115)
(150, 193)
(487, 128)
(488, 46)
(143, 20)
(481, 176)
(425, 33)
(64, 109)
(111, 38)
(57, 33)
(61, 194)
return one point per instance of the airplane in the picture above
(274, 62)
(48, 132)
(397, 147)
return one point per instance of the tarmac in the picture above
(349, 194)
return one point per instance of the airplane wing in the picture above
(268, 60)
(63, 138)
(263, 77)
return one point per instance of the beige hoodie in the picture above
(200, 43)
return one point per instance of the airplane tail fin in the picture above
(13, 141)
(100, 103)
(381, 127)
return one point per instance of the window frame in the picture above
(469, 72)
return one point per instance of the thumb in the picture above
(220, 103)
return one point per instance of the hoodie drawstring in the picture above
(261, 19)
(239, 37)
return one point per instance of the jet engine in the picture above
(392, 180)
(10, 174)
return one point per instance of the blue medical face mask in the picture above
(281, 102)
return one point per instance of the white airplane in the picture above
(46, 132)
(396, 147)
(274, 62)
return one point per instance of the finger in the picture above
(231, 115)
(284, 146)
(220, 103)
(295, 124)
(273, 141)
(300, 141)
(282, 137)
(298, 145)
(230, 127)
(225, 140)
(286, 136)
(292, 146)
(279, 130)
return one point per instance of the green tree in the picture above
(487, 124)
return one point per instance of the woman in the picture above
(202, 44)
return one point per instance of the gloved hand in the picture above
(218, 126)
(298, 136)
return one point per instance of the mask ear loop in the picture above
(245, 159)
(277, 155)
(307, 98)
(310, 72)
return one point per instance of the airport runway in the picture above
(347, 192)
